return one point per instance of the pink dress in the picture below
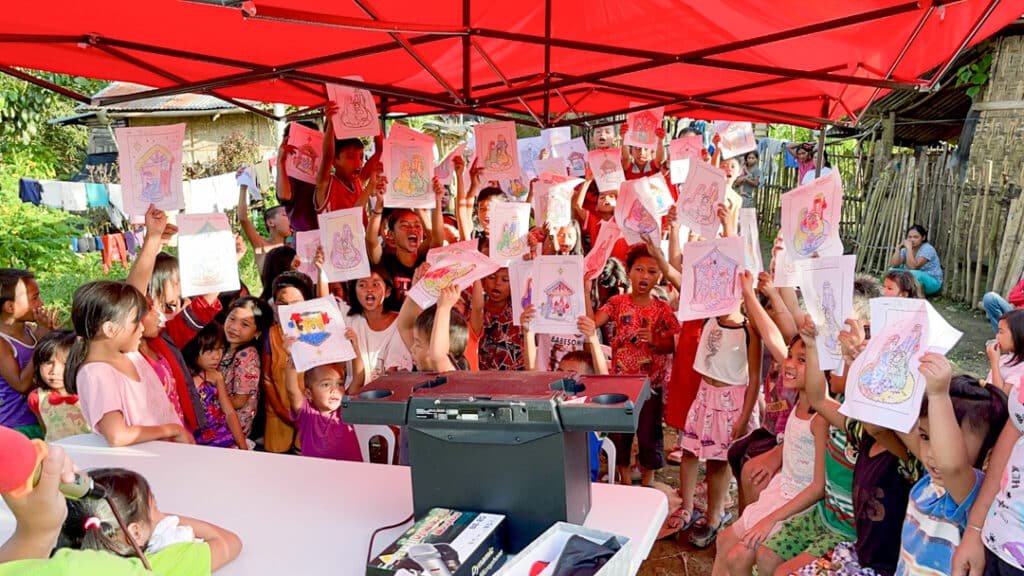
(103, 389)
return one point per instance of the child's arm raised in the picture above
(224, 544)
(529, 338)
(947, 442)
(374, 246)
(296, 399)
(586, 326)
(476, 308)
(157, 231)
(358, 370)
(410, 310)
(234, 425)
(437, 218)
(779, 313)
(671, 274)
(659, 155)
(251, 234)
(815, 384)
(807, 497)
(323, 177)
(763, 323)
(440, 339)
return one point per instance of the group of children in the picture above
(819, 493)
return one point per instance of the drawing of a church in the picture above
(558, 297)
(155, 169)
(714, 281)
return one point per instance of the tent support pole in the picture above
(963, 45)
(467, 83)
(547, 62)
(44, 84)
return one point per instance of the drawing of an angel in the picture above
(827, 305)
(511, 242)
(888, 379)
(343, 251)
(498, 158)
(640, 220)
(357, 111)
(155, 168)
(813, 228)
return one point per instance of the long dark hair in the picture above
(165, 269)
(391, 303)
(1015, 323)
(129, 492)
(211, 337)
(906, 282)
(277, 261)
(93, 305)
(56, 342)
(262, 314)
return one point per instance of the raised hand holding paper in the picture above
(827, 287)
(510, 224)
(574, 152)
(319, 329)
(681, 152)
(206, 254)
(445, 171)
(435, 254)
(751, 241)
(150, 161)
(643, 126)
(556, 288)
(699, 198)
(357, 113)
(736, 138)
(599, 253)
(710, 283)
(552, 200)
(497, 150)
(306, 244)
(606, 166)
(304, 162)
(810, 218)
(460, 269)
(634, 211)
(529, 152)
(344, 242)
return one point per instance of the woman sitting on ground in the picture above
(919, 257)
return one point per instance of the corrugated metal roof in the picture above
(191, 102)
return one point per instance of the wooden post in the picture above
(982, 235)
(820, 160)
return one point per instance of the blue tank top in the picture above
(14, 409)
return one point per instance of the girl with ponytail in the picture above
(122, 397)
(128, 523)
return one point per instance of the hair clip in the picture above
(91, 523)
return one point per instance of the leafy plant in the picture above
(974, 75)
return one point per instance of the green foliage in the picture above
(974, 75)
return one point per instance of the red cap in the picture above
(19, 460)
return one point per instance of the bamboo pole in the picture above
(982, 236)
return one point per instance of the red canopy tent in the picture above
(540, 62)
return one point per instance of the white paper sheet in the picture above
(551, 137)
(634, 212)
(890, 310)
(206, 254)
(407, 164)
(150, 165)
(357, 112)
(304, 162)
(461, 269)
(306, 243)
(710, 283)
(826, 284)
(435, 254)
(574, 152)
(643, 127)
(810, 218)
(737, 138)
(555, 287)
(683, 151)
(510, 223)
(606, 166)
(320, 329)
(699, 198)
(343, 238)
(601, 250)
(529, 153)
(497, 150)
(445, 171)
(751, 241)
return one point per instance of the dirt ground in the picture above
(676, 556)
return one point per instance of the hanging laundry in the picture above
(51, 195)
(116, 196)
(114, 250)
(115, 216)
(248, 179)
(29, 190)
(200, 196)
(129, 244)
(226, 188)
(263, 177)
(72, 196)
(96, 195)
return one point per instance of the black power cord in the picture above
(369, 549)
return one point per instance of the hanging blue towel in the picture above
(99, 244)
(30, 190)
(790, 161)
(96, 195)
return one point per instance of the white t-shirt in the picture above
(382, 351)
(103, 388)
(809, 176)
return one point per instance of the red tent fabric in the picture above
(554, 62)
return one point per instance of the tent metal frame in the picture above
(528, 99)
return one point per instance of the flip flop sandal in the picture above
(675, 457)
(706, 535)
(675, 523)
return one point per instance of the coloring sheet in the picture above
(408, 165)
(344, 241)
(520, 279)
(515, 189)
(606, 166)
(941, 335)
(555, 287)
(150, 163)
(826, 284)
(751, 242)
(786, 273)
(574, 152)
(306, 244)
(634, 212)
(445, 171)
(599, 253)
(320, 329)
(510, 224)
(699, 198)
(557, 166)
(551, 137)
(206, 254)
(737, 138)
(435, 254)
(810, 218)
(357, 113)
(497, 150)
(681, 152)
(710, 285)
(552, 200)
(884, 385)
(461, 269)
(661, 197)
(529, 152)
(304, 162)
(643, 126)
